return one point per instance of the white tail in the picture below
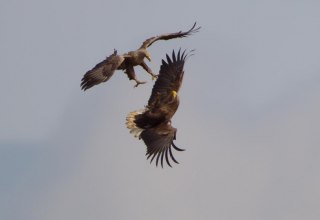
(131, 125)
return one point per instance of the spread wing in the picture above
(150, 41)
(170, 77)
(102, 72)
(159, 142)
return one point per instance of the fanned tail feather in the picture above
(131, 125)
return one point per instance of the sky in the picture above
(248, 117)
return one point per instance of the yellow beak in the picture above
(174, 94)
(149, 58)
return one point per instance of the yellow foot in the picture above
(139, 82)
(154, 77)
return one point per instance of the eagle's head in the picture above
(148, 55)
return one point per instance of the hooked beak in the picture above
(174, 94)
(149, 58)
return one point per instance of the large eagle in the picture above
(103, 71)
(153, 124)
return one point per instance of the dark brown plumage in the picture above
(103, 71)
(153, 124)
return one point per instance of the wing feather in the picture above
(170, 77)
(102, 72)
(159, 141)
(147, 43)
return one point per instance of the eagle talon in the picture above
(139, 82)
(154, 76)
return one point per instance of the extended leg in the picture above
(132, 76)
(144, 66)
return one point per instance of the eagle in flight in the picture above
(104, 70)
(153, 123)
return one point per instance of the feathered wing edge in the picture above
(102, 72)
(159, 140)
(159, 144)
(170, 74)
(147, 43)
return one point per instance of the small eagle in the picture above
(104, 70)
(153, 123)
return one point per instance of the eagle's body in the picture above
(136, 57)
(153, 124)
(102, 73)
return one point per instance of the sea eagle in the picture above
(103, 71)
(153, 123)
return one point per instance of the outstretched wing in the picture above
(170, 77)
(150, 41)
(102, 72)
(159, 142)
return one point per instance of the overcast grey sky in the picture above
(248, 118)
